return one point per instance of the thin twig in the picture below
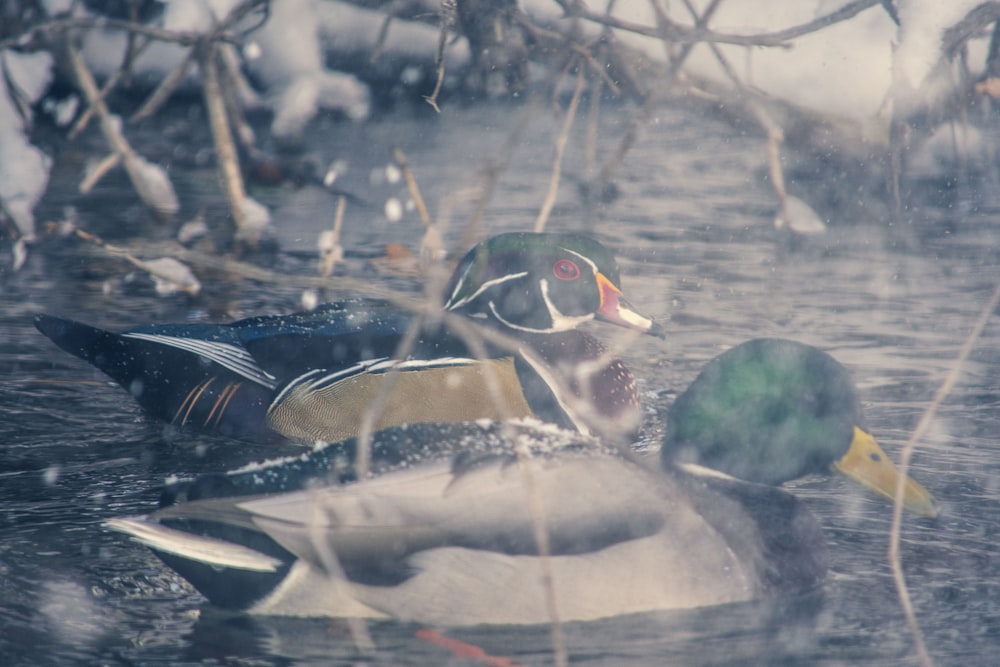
(98, 172)
(383, 33)
(639, 120)
(357, 627)
(188, 283)
(593, 124)
(333, 252)
(182, 37)
(550, 197)
(165, 89)
(541, 534)
(496, 166)
(474, 336)
(904, 466)
(645, 113)
(557, 40)
(338, 217)
(132, 49)
(957, 36)
(681, 34)
(217, 34)
(775, 134)
(229, 81)
(362, 454)
(247, 271)
(700, 21)
(112, 132)
(81, 123)
(411, 185)
(225, 150)
(446, 16)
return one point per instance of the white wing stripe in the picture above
(313, 381)
(228, 356)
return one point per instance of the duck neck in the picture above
(573, 373)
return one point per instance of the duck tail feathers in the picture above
(200, 548)
(80, 340)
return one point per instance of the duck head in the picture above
(773, 410)
(542, 283)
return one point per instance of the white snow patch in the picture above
(393, 210)
(171, 276)
(158, 187)
(291, 66)
(256, 220)
(799, 217)
(24, 169)
(62, 111)
(844, 69)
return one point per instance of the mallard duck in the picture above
(447, 531)
(772, 410)
(310, 376)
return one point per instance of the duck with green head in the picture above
(772, 410)
(445, 532)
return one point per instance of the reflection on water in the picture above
(694, 234)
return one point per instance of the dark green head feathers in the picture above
(772, 410)
(772, 400)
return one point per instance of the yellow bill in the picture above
(868, 465)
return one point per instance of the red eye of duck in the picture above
(566, 269)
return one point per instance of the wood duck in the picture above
(444, 530)
(311, 376)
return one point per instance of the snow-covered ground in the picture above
(845, 69)
(859, 70)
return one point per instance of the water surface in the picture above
(693, 231)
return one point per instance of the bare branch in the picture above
(98, 172)
(675, 32)
(904, 465)
(446, 17)
(550, 197)
(112, 133)
(225, 150)
(411, 185)
(165, 89)
(109, 85)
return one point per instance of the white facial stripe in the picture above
(458, 285)
(589, 262)
(561, 322)
(702, 471)
(228, 356)
(482, 288)
(516, 327)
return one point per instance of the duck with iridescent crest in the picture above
(445, 530)
(310, 376)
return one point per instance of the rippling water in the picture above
(693, 231)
